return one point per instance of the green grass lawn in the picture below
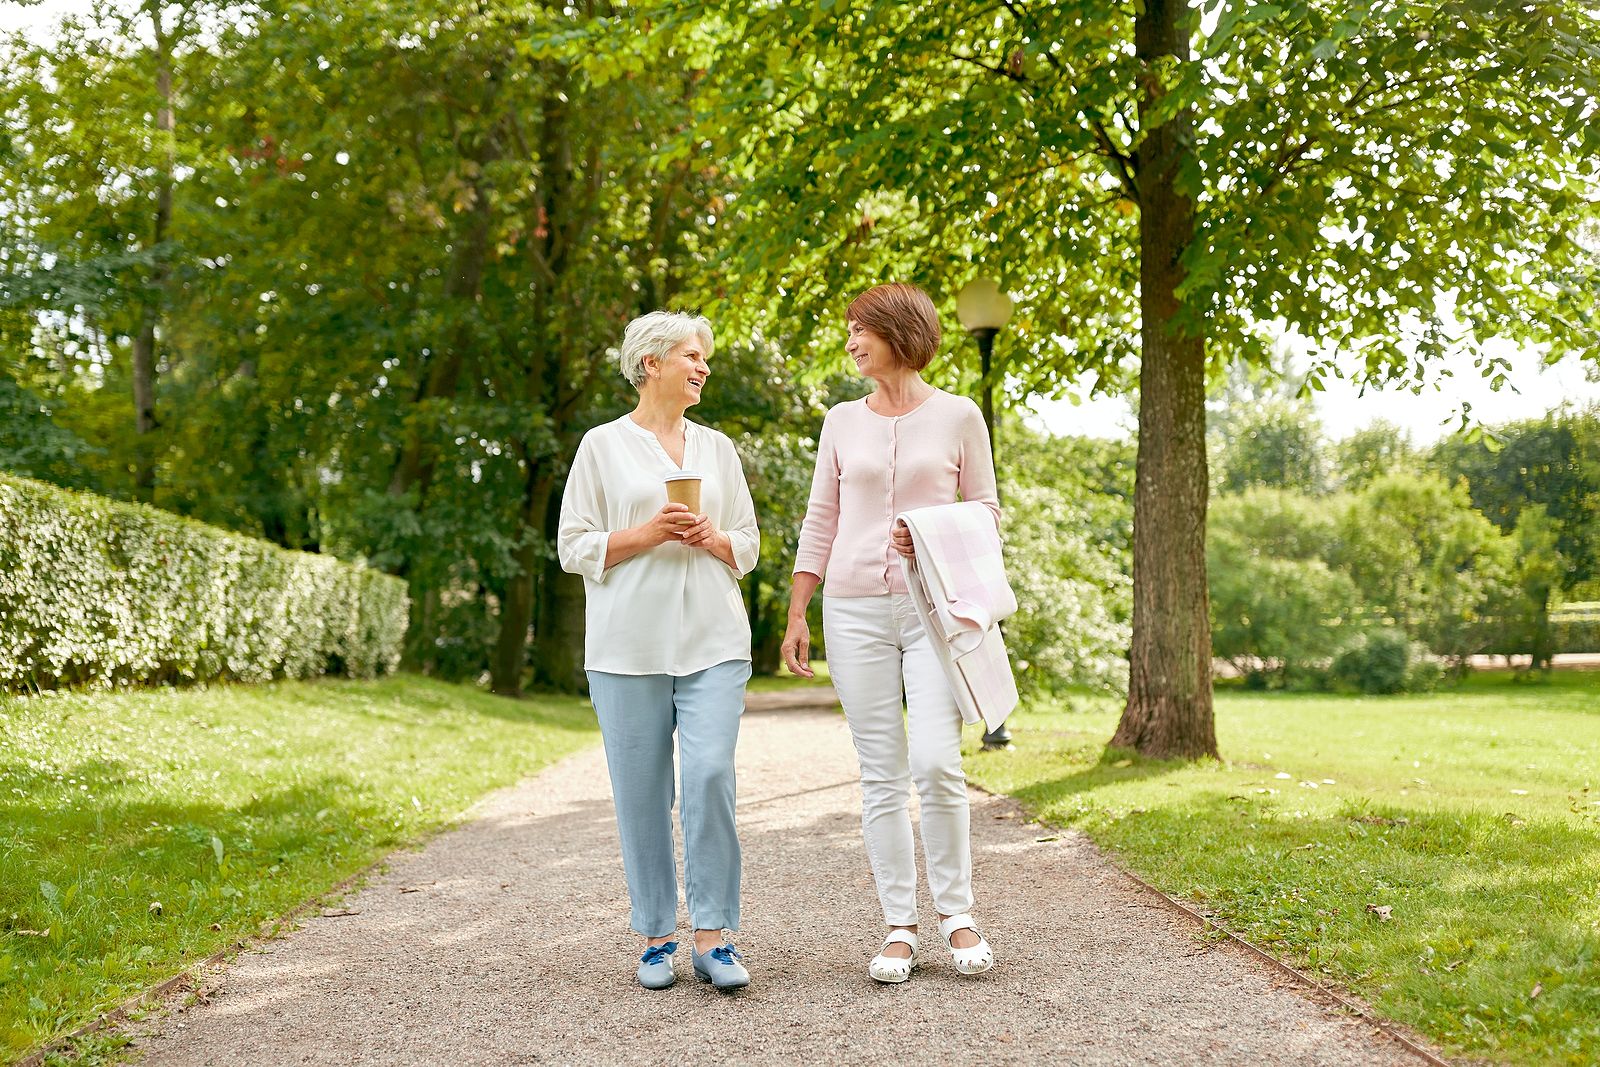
(1472, 813)
(226, 807)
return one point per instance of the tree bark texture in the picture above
(516, 607)
(1169, 710)
(144, 337)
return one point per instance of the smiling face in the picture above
(681, 374)
(873, 356)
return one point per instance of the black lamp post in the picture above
(983, 308)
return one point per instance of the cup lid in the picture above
(683, 476)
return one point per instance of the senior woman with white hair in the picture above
(668, 641)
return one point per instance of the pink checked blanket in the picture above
(957, 579)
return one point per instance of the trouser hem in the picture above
(645, 930)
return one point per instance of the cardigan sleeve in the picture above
(821, 524)
(582, 534)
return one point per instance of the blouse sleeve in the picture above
(976, 480)
(821, 523)
(741, 527)
(582, 536)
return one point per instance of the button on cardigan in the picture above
(671, 609)
(872, 467)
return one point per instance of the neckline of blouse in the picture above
(655, 442)
(645, 431)
(904, 414)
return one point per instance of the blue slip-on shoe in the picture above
(721, 967)
(655, 966)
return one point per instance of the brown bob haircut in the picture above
(902, 315)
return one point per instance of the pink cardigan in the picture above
(870, 468)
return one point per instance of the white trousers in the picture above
(879, 656)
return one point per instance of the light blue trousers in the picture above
(638, 714)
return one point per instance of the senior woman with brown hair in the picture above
(906, 445)
(668, 642)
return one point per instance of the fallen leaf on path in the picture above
(1384, 912)
(1042, 840)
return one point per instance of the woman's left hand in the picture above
(702, 533)
(900, 538)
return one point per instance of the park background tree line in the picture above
(344, 277)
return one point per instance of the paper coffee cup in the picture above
(683, 487)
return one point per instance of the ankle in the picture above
(706, 940)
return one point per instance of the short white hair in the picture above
(656, 334)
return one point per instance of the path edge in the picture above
(1416, 1045)
(159, 997)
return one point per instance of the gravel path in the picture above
(505, 941)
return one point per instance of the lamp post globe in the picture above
(982, 305)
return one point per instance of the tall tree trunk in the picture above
(766, 633)
(558, 627)
(144, 406)
(1543, 657)
(1169, 711)
(558, 631)
(144, 338)
(516, 606)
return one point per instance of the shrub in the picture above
(1071, 626)
(1278, 612)
(1379, 661)
(1425, 561)
(95, 592)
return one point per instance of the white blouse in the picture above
(671, 609)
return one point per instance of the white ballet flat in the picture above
(893, 969)
(974, 960)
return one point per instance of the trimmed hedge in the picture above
(98, 593)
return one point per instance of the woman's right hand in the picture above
(797, 648)
(667, 524)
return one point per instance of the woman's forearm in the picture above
(625, 544)
(722, 548)
(801, 590)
